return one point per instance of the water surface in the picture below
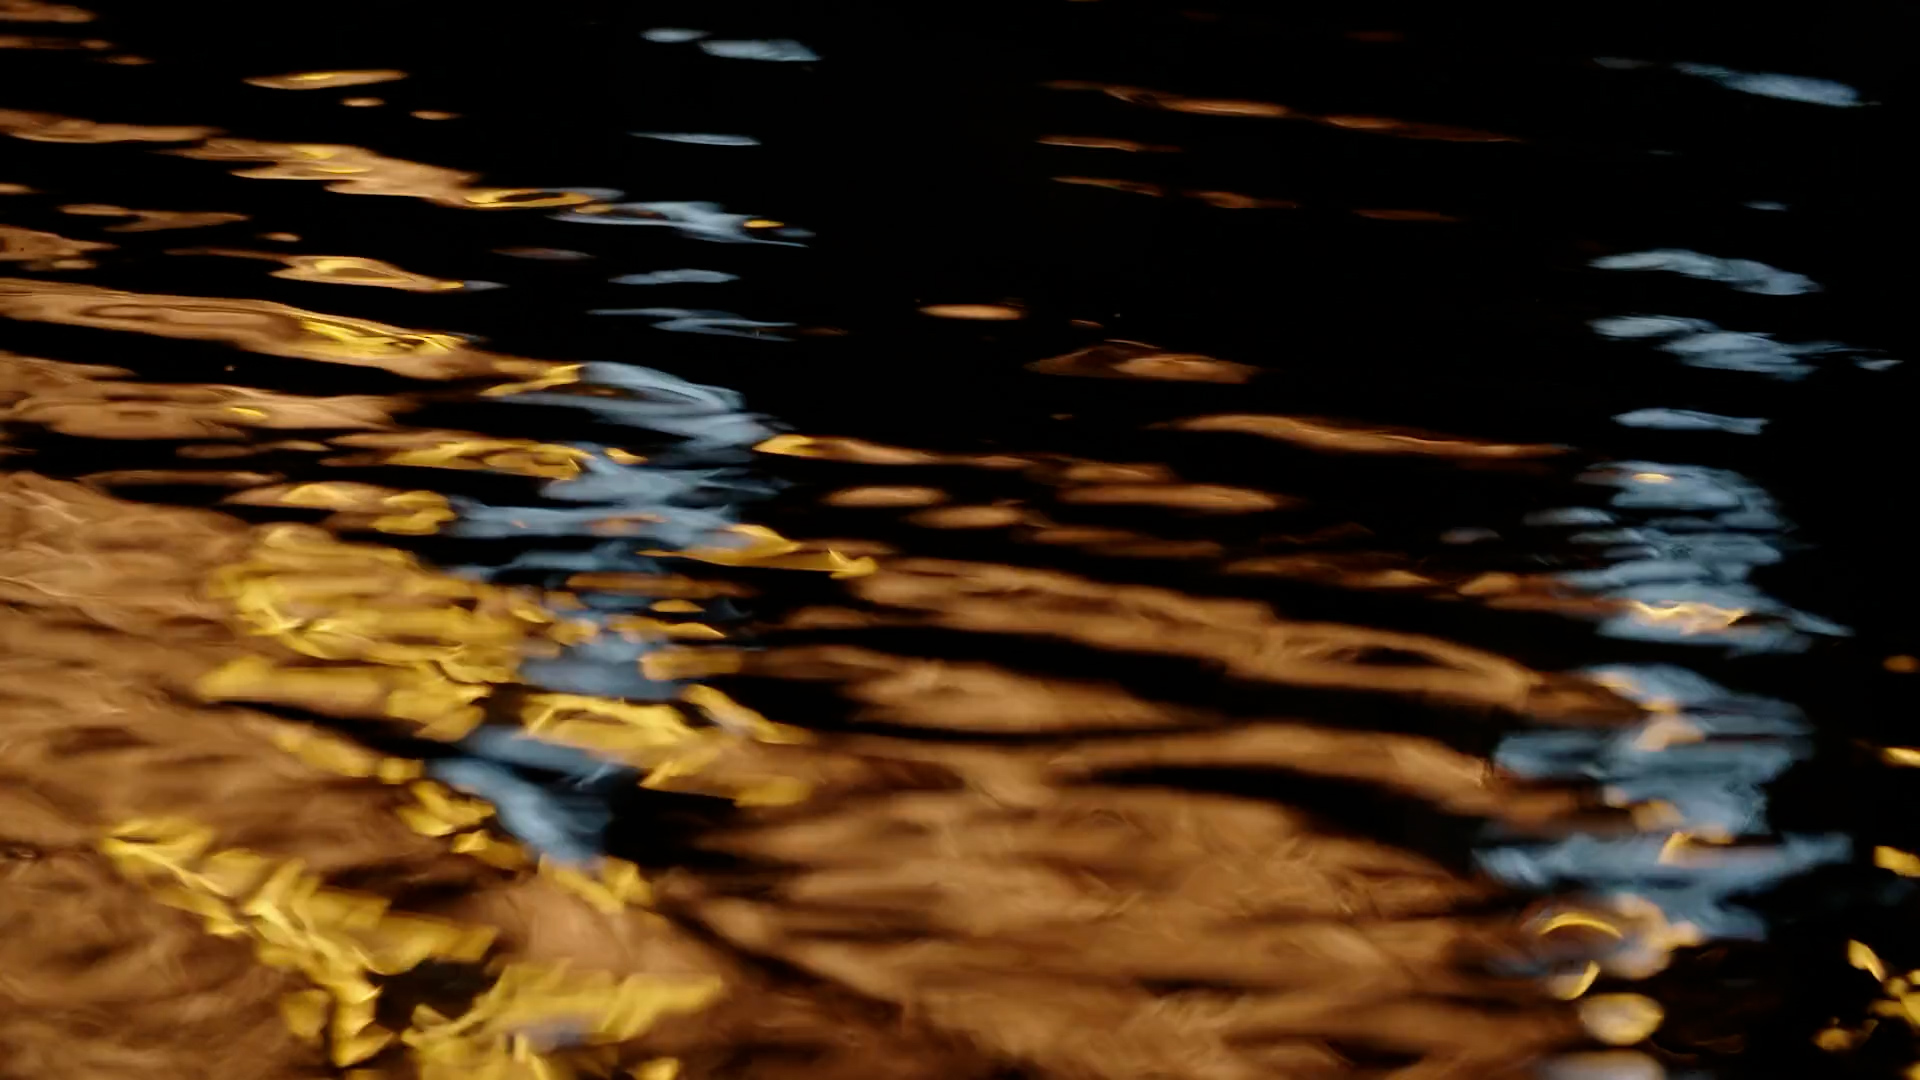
(1095, 540)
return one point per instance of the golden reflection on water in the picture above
(52, 128)
(1351, 439)
(986, 885)
(1136, 360)
(397, 641)
(985, 312)
(994, 937)
(222, 764)
(44, 250)
(352, 170)
(336, 269)
(258, 326)
(324, 80)
(152, 220)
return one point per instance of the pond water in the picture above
(1058, 540)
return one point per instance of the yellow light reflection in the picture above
(355, 170)
(491, 1039)
(1688, 617)
(1862, 957)
(1900, 862)
(557, 375)
(521, 457)
(769, 550)
(53, 128)
(353, 270)
(337, 940)
(258, 326)
(324, 80)
(1569, 987)
(1621, 1019)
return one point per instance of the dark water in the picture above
(1072, 539)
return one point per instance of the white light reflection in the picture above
(1680, 565)
(699, 139)
(699, 220)
(1702, 757)
(1784, 87)
(676, 277)
(777, 51)
(670, 35)
(1702, 750)
(1762, 83)
(687, 495)
(1699, 343)
(1689, 420)
(721, 323)
(1744, 275)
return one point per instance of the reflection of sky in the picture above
(1770, 84)
(1699, 343)
(1678, 543)
(779, 50)
(676, 277)
(698, 220)
(1674, 552)
(1743, 275)
(1690, 420)
(563, 822)
(699, 139)
(719, 323)
(1703, 752)
(684, 498)
(1686, 540)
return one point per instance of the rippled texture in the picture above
(1106, 541)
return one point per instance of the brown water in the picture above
(1109, 542)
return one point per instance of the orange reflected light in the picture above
(1134, 187)
(987, 312)
(1091, 142)
(41, 11)
(1328, 435)
(1136, 360)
